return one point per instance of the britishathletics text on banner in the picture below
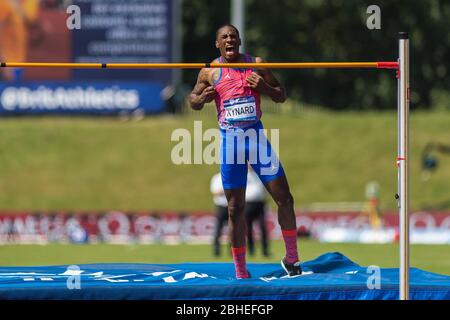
(77, 97)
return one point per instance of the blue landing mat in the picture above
(331, 276)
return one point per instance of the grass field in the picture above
(102, 163)
(435, 258)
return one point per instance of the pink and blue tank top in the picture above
(238, 105)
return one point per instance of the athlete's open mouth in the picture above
(229, 49)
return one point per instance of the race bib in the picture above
(240, 109)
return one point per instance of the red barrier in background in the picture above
(174, 227)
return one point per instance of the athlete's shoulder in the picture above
(209, 71)
(203, 75)
(258, 59)
(214, 73)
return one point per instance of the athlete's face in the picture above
(228, 42)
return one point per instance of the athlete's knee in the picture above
(235, 209)
(284, 199)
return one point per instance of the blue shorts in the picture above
(247, 145)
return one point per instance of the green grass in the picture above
(53, 163)
(433, 258)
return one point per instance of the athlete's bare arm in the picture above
(265, 82)
(203, 91)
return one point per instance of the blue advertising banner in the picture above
(110, 31)
(114, 31)
(80, 97)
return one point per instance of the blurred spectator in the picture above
(373, 205)
(255, 209)
(174, 97)
(15, 17)
(220, 201)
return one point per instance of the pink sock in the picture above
(290, 242)
(239, 262)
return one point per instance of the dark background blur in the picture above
(319, 30)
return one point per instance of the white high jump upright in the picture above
(403, 161)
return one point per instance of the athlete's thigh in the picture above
(233, 172)
(267, 164)
(278, 188)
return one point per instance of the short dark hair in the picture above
(227, 25)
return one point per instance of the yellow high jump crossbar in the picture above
(269, 65)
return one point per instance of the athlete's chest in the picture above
(227, 76)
